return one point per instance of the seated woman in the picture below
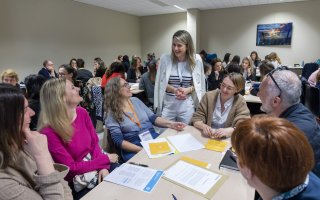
(217, 74)
(71, 135)
(247, 69)
(276, 159)
(26, 167)
(129, 119)
(135, 71)
(148, 79)
(33, 85)
(68, 72)
(116, 69)
(221, 110)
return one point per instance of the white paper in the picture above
(192, 176)
(145, 145)
(185, 142)
(136, 177)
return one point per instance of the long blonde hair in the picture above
(53, 109)
(112, 96)
(185, 37)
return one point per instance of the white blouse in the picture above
(218, 118)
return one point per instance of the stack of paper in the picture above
(185, 142)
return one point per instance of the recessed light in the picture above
(179, 7)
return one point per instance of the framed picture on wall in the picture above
(274, 34)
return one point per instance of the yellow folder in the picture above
(195, 162)
(159, 148)
(216, 145)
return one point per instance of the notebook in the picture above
(228, 162)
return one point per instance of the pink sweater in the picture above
(83, 141)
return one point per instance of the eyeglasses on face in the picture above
(126, 85)
(272, 78)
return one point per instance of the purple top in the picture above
(83, 141)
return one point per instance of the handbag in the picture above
(87, 180)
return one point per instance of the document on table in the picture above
(146, 147)
(193, 177)
(185, 142)
(136, 177)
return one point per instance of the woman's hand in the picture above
(223, 132)
(177, 126)
(37, 146)
(102, 173)
(114, 158)
(181, 93)
(207, 130)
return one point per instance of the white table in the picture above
(235, 186)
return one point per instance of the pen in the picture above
(174, 197)
(138, 164)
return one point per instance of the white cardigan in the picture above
(162, 78)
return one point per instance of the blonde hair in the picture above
(54, 110)
(9, 73)
(273, 56)
(250, 67)
(185, 38)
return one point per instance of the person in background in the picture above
(217, 74)
(280, 92)
(148, 79)
(83, 75)
(97, 62)
(265, 68)
(233, 67)
(26, 167)
(247, 69)
(235, 59)
(312, 80)
(129, 120)
(120, 58)
(68, 72)
(274, 59)
(126, 62)
(33, 85)
(226, 60)
(48, 70)
(255, 59)
(73, 63)
(220, 111)
(203, 55)
(180, 82)
(318, 80)
(207, 71)
(71, 135)
(10, 77)
(135, 71)
(275, 158)
(116, 69)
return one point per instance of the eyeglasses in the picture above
(272, 78)
(126, 85)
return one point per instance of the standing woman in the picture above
(26, 167)
(71, 135)
(180, 81)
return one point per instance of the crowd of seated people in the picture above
(183, 89)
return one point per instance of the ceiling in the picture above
(156, 7)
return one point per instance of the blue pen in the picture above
(174, 197)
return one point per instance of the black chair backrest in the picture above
(312, 100)
(308, 69)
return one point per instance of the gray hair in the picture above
(290, 86)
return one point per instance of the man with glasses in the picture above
(280, 93)
(48, 70)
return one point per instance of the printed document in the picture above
(136, 177)
(193, 177)
(185, 142)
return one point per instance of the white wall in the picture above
(234, 30)
(33, 30)
(157, 31)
